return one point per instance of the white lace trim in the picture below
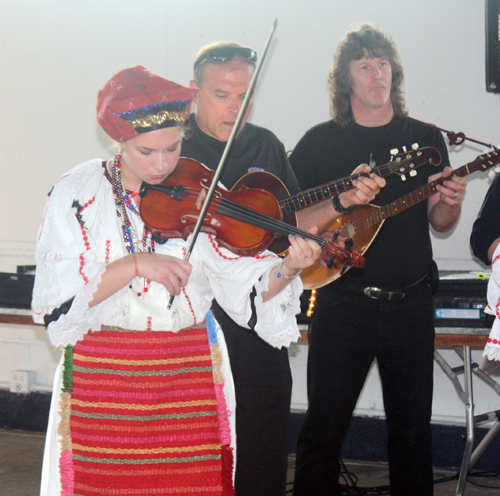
(281, 311)
(72, 326)
(492, 352)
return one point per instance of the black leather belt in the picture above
(382, 294)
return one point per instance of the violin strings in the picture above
(261, 220)
(237, 211)
(232, 209)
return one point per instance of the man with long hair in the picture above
(384, 311)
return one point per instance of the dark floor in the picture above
(21, 461)
(21, 456)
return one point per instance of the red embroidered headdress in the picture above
(135, 101)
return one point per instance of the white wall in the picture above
(55, 55)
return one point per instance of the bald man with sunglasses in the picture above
(262, 376)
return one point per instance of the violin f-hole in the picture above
(194, 218)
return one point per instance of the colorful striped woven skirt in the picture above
(143, 413)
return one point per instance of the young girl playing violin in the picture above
(143, 394)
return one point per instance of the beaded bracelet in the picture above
(135, 265)
(280, 274)
(339, 208)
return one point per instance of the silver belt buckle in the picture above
(372, 292)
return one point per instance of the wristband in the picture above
(338, 206)
(280, 274)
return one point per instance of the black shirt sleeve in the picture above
(486, 228)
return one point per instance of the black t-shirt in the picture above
(254, 149)
(401, 251)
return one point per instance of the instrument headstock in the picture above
(407, 162)
(487, 161)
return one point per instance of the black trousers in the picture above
(263, 385)
(349, 331)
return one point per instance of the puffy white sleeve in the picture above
(237, 284)
(68, 264)
(492, 349)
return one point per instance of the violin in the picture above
(244, 220)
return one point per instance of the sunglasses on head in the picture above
(225, 53)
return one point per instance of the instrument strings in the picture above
(232, 209)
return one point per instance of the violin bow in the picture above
(222, 162)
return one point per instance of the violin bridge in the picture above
(201, 198)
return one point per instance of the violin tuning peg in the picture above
(413, 173)
(414, 146)
(403, 177)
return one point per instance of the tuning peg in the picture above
(413, 173)
(394, 151)
(403, 177)
(414, 146)
(404, 149)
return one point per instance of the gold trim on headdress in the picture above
(159, 119)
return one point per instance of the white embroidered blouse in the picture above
(81, 233)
